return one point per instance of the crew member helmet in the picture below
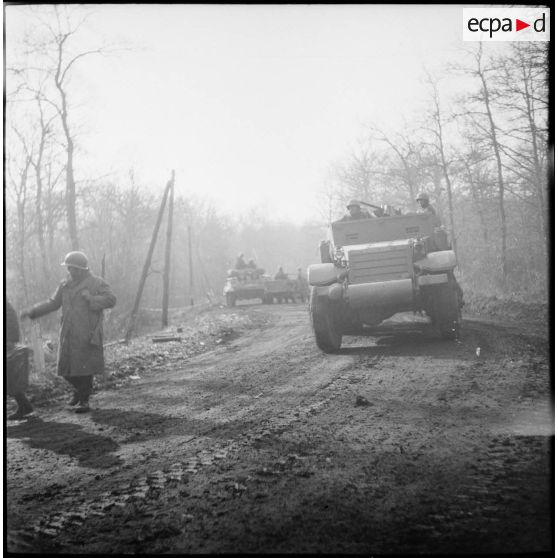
(76, 259)
(353, 203)
(423, 196)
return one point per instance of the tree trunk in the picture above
(21, 202)
(539, 179)
(166, 272)
(39, 201)
(70, 180)
(439, 133)
(497, 155)
(477, 202)
(71, 190)
(21, 246)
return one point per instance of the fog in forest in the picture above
(272, 118)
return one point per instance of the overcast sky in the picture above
(249, 104)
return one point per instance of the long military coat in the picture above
(80, 351)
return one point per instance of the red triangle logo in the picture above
(519, 25)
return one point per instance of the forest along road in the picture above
(401, 443)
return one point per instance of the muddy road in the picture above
(401, 443)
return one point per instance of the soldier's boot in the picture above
(84, 386)
(74, 400)
(24, 407)
(83, 405)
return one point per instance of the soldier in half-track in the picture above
(240, 263)
(426, 207)
(355, 212)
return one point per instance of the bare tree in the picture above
(18, 188)
(330, 196)
(469, 164)
(435, 127)
(523, 81)
(480, 117)
(408, 154)
(51, 46)
(45, 133)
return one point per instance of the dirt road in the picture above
(401, 443)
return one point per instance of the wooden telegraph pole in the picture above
(166, 272)
(147, 264)
(190, 267)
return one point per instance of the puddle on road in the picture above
(537, 420)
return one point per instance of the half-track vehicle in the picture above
(247, 284)
(244, 284)
(280, 290)
(376, 267)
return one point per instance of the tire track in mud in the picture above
(323, 381)
(486, 494)
(149, 487)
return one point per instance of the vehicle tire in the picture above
(231, 299)
(353, 328)
(324, 323)
(446, 314)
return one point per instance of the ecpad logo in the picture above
(506, 24)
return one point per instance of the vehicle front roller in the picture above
(324, 323)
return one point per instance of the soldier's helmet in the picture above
(352, 203)
(76, 259)
(423, 196)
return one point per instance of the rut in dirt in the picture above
(259, 446)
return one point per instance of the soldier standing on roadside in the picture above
(83, 297)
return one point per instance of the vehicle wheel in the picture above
(231, 299)
(324, 323)
(446, 314)
(353, 328)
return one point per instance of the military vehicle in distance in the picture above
(246, 284)
(280, 290)
(374, 268)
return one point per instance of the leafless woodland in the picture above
(482, 154)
